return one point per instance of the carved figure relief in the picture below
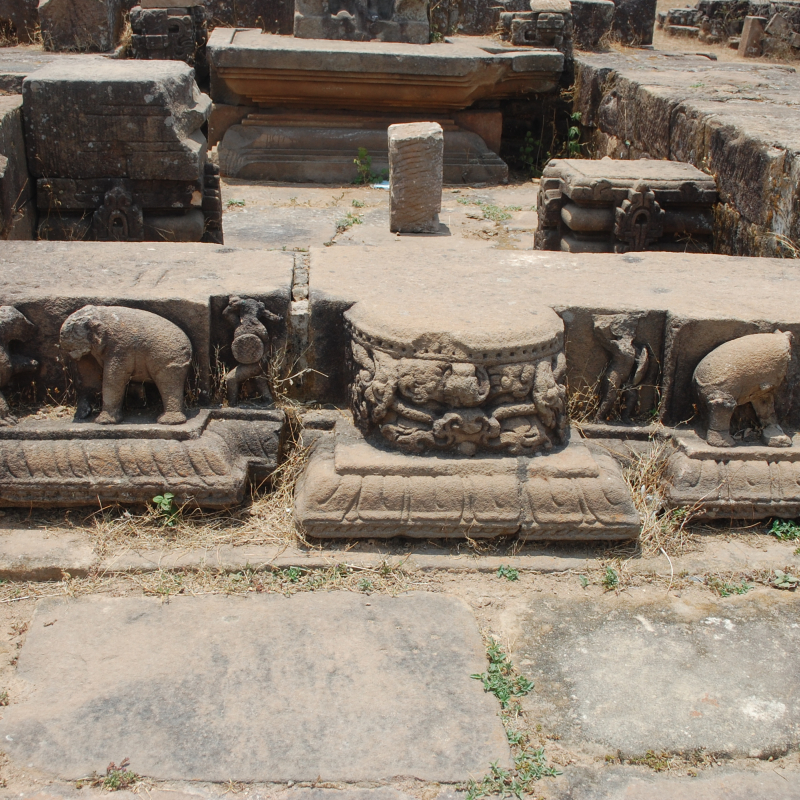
(629, 366)
(119, 219)
(14, 327)
(639, 220)
(250, 347)
(434, 403)
(745, 370)
(114, 345)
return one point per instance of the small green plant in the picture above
(4, 701)
(725, 588)
(574, 136)
(347, 222)
(490, 211)
(797, 551)
(166, 509)
(358, 204)
(786, 530)
(533, 154)
(238, 203)
(437, 37)
(530, 765)
(365, 585)
(509, 573)
(117, 778)
(366, 176)
(658, 762)
(500, 679)
(293, 574)
(584, 581)
(783, 580)
(610, 579)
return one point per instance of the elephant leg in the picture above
(236, 377)
(115, 382)
(619, 371)
(171, 383)
(87, 377)
(720, 410)
(772, 434)
(263, 388)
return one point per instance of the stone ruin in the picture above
(461, 375)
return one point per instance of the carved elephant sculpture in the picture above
(14, 327)
(128, 345)
(745, 370)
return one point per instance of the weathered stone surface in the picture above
(591, 21)
(752, 37)
(206, 461)
(353, 487)
(23, 17)
(345, 687)
(177, 34)
(415, 176)
(322, 148)
(35, 555)
(121, 119)
(634, 21)
(274, 16)
(362, 21)
(676, 674)
(597, 206)
(251, 68)
(710, 115)
(548, 23)
(85, 25)
(17, 215)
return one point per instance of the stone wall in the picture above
(691, 109)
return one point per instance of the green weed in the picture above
(347, 222)
(500, 679)
(293, 574)
(358, 204)
(365, 585)
(4, 701)
(166, 510)
(238, 203)
(490, 211)
(610, 579)
(509, 573)
(786, 530)
(366, 176)
(783, 580)
(725, 588)
(584, 581)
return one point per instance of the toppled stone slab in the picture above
(415, 177)
(354, 487)
(738, 122)
(83, 25)
(344, 687)
(676, 674)
(119, 119)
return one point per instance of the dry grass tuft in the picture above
(583, 402)
(663, 529)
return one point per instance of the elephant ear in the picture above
(98, 335)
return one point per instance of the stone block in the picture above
(321, 148)
(600, 206)
(23, 18)
(752, 37)
(120, 119)
(359, 20)
(345, 687)
(634, 21)
(415, 176)
(352, 487)
(175, 34)
(591, 21)
(273, 16)
(82, 25)
(547, 24)
(16, 212)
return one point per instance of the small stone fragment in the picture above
(415, 173)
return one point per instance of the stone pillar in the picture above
(591, 20)
(83, 25)
(634, 21)
(415, 174)
(752, 37)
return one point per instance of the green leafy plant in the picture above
(610, 579)
(509, 573)
(490, 211)
(358, 204)
(725, 588)
(347, 222)
(238, 203)
(783, 580)
(500, 679)
(785, 529)
(365, 585)
(533, 155)
(366, 176)
(584, 581)
(574, 136)
(4, 701)
(166, 510)
(293, 574)
(117, 778)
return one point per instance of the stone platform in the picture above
(331, 686)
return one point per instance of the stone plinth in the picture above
(415, 177)
(322, 147)
(434, 378)
(252, 68)
(362, 21)
(84, 25)
(603, 206)
(356, 489)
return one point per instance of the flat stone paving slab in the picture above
(628, 675)
(336, 686)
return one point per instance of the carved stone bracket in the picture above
(119, 219)
(639, 220)
(444, 396)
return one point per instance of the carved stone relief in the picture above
(14, 327)
(745, 370)
(119, 219)
(114, 345)
(250, 346)
(512, 402)
(638, 220)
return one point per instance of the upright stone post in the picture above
(415, 175)
(752, 37)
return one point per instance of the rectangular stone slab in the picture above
(336, 686)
